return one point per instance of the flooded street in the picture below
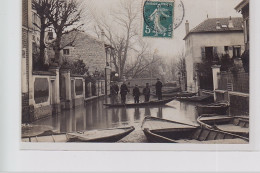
(93, 115)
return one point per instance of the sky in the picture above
(196, 11)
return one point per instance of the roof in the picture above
(81, 34)
(241, 5)
(210, 24)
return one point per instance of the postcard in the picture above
(135, 75)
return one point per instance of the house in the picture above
(214, 36)
(26, 55)
(95, 53)
(82, 46)
(243, 7)
(234, 87)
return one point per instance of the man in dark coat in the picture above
(136, 93)
(146, 92)
(158, 89)
(123, 91)
(114, 92)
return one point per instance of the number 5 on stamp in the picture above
(158, 19)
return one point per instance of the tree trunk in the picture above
(57, 50)
(42, 44)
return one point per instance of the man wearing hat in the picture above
(158, 89)
(146, 92)
(123, 91)
(114, 89)
(136, 94)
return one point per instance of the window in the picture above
(236, 51)
(209, 53)
(66, 51)
(226, 48)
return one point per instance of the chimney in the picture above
(218, 25)
(230, 23)
(187, 27)
(102, 35)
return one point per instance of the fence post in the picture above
(215, 71)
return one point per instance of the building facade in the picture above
(94, 53)
(243, 7)
(234, 87)
(26, 55)
(214, 36)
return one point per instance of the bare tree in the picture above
(173, 70)
(65, 19)
(143, 63)
(42, 8)
(122, 38)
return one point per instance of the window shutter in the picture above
(230, 51)
(203, 55)
(215, 51)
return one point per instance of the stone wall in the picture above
(25, 45)
(239, 105)
(25, 111)
(25, 108)
(141, 82)
(25, 60)
(25, 13)
(87, 48)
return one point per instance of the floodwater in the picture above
(93, 115)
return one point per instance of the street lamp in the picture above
(179, 76)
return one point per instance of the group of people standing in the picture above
(114, 89)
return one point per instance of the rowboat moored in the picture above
(196, 98)
(165, 131)
(150, 103)
(237, 125)
(103, 135)
(213, 108)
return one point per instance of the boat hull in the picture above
(178, 94)
(51, 136)
(113, 138)
(226, 124)
(194, 134)
(195, 98)
(151, 103)
(220, 110)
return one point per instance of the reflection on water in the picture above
(93, 115)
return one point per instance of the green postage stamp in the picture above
(158, 19)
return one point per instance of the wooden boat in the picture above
(159, 130)
(150, 103)
(168, 90)
(237, 125)
(196, 98)
(213, 108)
(105, 135)
(179, 94)
(34, 130)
